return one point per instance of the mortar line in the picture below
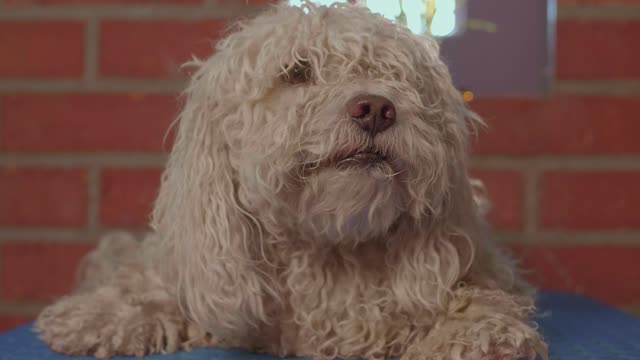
(1, 249)
(91, 50)
(531, 179)
(46, 234)
(66, 236)
(93, 199)
(1, 268)
(135, 160)
(130, 12)
(31, 308)
(597, 87)
(558, 162)
(110, 85)
(609, 12)
(571, 238)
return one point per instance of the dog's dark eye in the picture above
(297, 73)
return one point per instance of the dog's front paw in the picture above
(84, 325)
(495, 338)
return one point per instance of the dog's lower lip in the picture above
(367, 156)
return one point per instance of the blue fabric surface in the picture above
(576, 328)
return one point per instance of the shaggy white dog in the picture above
(316, 203)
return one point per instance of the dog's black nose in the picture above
(373, 114)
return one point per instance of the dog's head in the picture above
(329, 123)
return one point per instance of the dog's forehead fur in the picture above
(339, 42)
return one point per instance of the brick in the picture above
(42, 197)
(593, 125)
(8, 322)
(85, 122)
(154, 49)
(590, 200)
(127, 196)
(597, 49)
(98, 2)
(608, 273)
(598, 2)
(506, 193)
(47, 49)
(38, 271)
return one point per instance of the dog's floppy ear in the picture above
(209, 240)
(452, 225)
(465, 204)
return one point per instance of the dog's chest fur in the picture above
(343, 301)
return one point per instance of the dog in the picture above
(317, 203)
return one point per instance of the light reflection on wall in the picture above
(440, 18)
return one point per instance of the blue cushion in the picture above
(576, 327)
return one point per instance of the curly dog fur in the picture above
(272, 235)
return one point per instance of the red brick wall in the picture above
(564, 171)
(87, 91)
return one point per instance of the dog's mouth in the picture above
(367, 158)
(357, 159)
